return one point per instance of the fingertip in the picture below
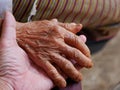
(83, 38)
(63, 84)
(78, 28)
(60, 82)
(77, 76)
(90, 65)
(80, 25)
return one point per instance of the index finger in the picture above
(72, 27)
(74, 41)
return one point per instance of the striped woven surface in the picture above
(91, 13)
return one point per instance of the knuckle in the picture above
(53, 73)
(78, 77)
(76, 40)
(60, 82)
(67, 65)
(70, 36)
(76, 53)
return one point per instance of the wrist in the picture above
(4, 85)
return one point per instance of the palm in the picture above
(23, 72)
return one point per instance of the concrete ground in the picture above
(105, 75)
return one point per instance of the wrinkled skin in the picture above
(17, 72)
(50, 44)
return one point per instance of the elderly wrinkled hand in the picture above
(50, 44)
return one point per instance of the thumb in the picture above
(8, 35)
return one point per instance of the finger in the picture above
(60, 71)
(76, 55)
(72, 27)
(53, 73)
(74, 41)
(77, 66)
(83, 38)
(54, 20)
(9, 28)
(67, 67)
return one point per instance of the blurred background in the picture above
(105, 75)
